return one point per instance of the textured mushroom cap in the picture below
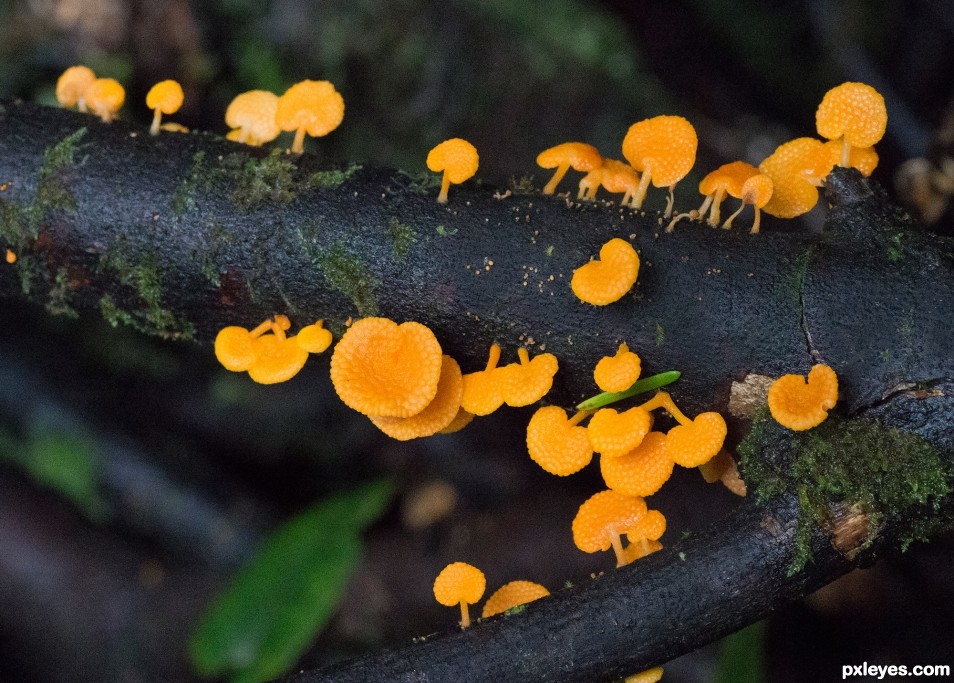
(664, 145)
(276, 359)
(459, 582)
(801, 405)
(512, 594)
(756, 190)
(166, 96)
(461, 420)
(233, 348)
(855, 111)
(651, 527)
(522, 385)
(72, 85)
(650, 675)
(642, 471)
(607, 279)
(254, 112)
(602, 513)
(616, 434)
(865, 159)
(455, 157)
(313, 105)
(792, 167)
(381, 368)
(483, 391)
(555, 445)
(618, 177)
(314, 338)
(438, 414)
(619, 372)
(729, 177)
(105, 94)
(578, 155)
(694, 444)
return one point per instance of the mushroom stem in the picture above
(642, 189)
(445, 186)
(717, 200)
(81, 105)
(728, 221)
(705, 205)
(670, 201)
(523, 355)
(845, 153)
(617, 544)
(493, 357)
(464, 615)
(262, 329)
(298, 144)
(550, 187)
(664, 400)
(579, 417)
(692, 215)
(755, 224)
(156, 119)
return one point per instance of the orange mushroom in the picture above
(797, 168)
(234, 346)
(438, 414)
(105, 97)
(615, 434)
(457, 159)
(853, 113)
(460, 584)
(727, 179)
(461, 420)
(511, 595)
(251, 116)
(618, 177)
(528, 381)
(483, 390)
(757, 191)
(557, 443)
(164, 97)
(381, 368)
(617, 373)
(603, 519)
(649, 528)
(576, 155)
(799, 404)
(663, 149)
(865, 159)
(607, 279)
(649, 676)
(723, 468)
(10, 257)
(71, 87)
(693, 441)
(312, 107)
(642, 471)
(637, 551)
(314, 338)
(278, 358)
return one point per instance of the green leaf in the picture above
(640, 387)
(278, 602)
(741, 657)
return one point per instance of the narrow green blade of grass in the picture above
(640, 387)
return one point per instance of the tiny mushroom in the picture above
(615, 434)
(756, 191)
(251, 116)
(692, 442)
(483, 390)
(797, 168)
(649, 676)
(277, 358)
(164, 97)
(438, 414)
(557, 443)
(642, 471)
(727, 179)
(460, 584)
(312, 107)
(854, 114)
(725, 469)
(511, 595)
(71, 87)
(799, 404)
(10, 256)
(617, 373)
(105, 97)
(234, 348)
(314, 338)
(529, 380)
(576, 155)
(650, 527)
(617, 178)
(663, 149)
(457, 159)
(602, 281)
(603, 519)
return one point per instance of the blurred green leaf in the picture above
(741, 659)
(281, 599)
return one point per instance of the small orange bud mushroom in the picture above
(853, 113)
(618, 177)
(653, 675)
(10, 257)
(615, 434)
(727, 179)
(663, 149)
(251, 116)
(617, 373)
(642, 471)
(576, 155)
(603, 519)
(438, 414)
(381, 368)
(650, 527)
(796, 168)
(528, 381)
(757, 191)
(314, 338)
(607, 279)
(312, 107)
(557, 443)
(105, 97)
(71, 87)
(457, 159)
(164, 97)
(511, 595)
(460, 584)
(483, 390)
(234, 346)
(799, 404)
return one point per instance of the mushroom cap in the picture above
(314, 338)
(865, 159)
(512, 594)
(602, 513)
(166, 96)
(615, 434)
(483, 391)
(756, 190)
(254, 111)
(729, 177)
(461, 420)
(234, 349)
(313, 105)
(438, 414)
(799, 404)
(663, 145)
(105, 94)
(455, 157)
(522, 385)
(694, 444)
(793, 167)
(72, 85)
(619, 372)
(381, 368)
(555, 445)
(459, 582)
(578, 155)
(651, 527)
(276, 359)
(618, 177)
(642, 471)
(855, 111)
(607, 279)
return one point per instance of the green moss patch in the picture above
(349, 275)
(269, 179)
(53, 192)
(333, 178)
(403, 236)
